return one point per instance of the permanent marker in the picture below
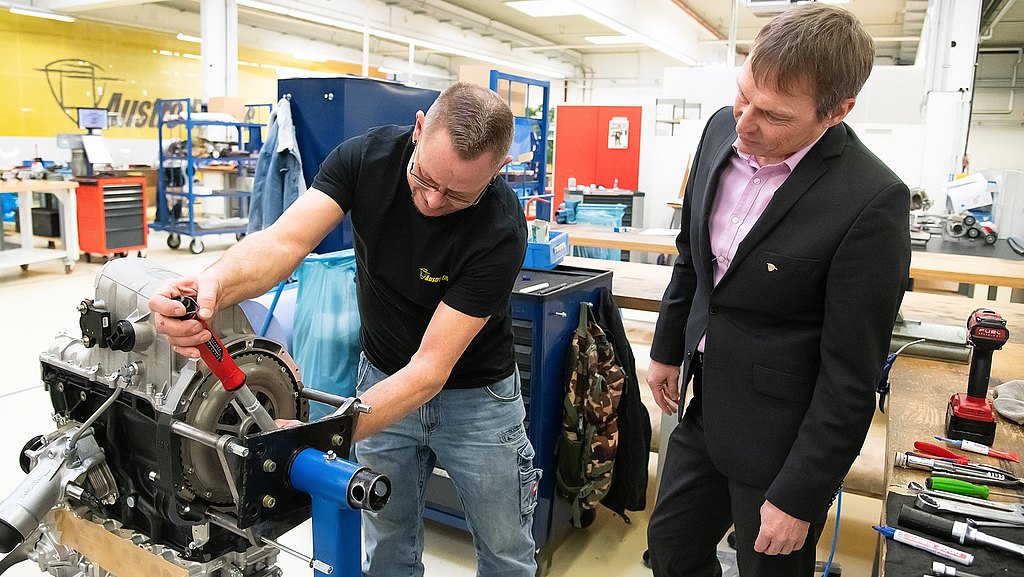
(916, 541)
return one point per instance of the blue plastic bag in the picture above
(8, 202)
(608, 215)
(326, 329)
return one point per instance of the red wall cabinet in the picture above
(585, 147)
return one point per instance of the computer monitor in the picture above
(92, 118)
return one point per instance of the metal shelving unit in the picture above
(528, 178)
(177, 212)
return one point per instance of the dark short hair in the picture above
(476, 119)
(820, 46)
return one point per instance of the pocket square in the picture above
(772, 267)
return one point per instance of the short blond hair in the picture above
(476, 119)
(820, 46)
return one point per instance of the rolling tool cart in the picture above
(111, 216)
(177, 200)
(543, 323)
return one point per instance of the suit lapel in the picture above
(810, 169)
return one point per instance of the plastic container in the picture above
(547, 255)
(607, 215)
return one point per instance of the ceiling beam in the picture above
(74, 6)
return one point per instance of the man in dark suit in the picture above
(794, 253)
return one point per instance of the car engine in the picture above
(151, 449)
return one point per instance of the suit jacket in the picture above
(799, 326)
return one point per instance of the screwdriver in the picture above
(964, 488)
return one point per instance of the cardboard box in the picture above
(227, 104)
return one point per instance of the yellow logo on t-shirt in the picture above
(425, 275)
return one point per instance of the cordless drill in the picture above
(970, 415)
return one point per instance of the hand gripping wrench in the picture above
(217, 357)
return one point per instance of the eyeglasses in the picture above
(453, 200)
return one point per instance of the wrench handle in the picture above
(213, 352)
(926, 523)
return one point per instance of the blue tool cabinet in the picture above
(329, 111)
(543, 325)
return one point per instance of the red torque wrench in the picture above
(216, 356)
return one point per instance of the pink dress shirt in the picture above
(744, 191)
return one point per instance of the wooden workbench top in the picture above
(960, 268)
(36, 185)
(640, 286)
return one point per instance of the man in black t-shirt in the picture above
(439, 241)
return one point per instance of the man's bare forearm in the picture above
(253, 266)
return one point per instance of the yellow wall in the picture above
(50, 67)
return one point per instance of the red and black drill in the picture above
(218, 359)
(970, 415)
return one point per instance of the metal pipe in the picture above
(730, 51)
(208, 439)
(121, 382)
(333, 400)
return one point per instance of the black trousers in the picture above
(697, 505)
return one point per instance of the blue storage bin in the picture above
(547, 255)
(609, 215)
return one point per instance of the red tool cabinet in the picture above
(111, 215)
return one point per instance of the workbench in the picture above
(926, 266)
(920, 392)
(28, 253)
(640, 286)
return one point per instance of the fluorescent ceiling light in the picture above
(445, 49)
(625, 30)
(612, 39)
(188, 38)
(41, 14)
(544, 8)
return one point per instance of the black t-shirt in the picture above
(408, 263)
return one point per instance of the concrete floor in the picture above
(38, 303)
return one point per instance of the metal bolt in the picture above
(269, 466)
(154, 476)
(208, 494)
(82, 395)
(269, 501)
(337, 440)
(129, 500)
(331, 456)
(87, 341)
(186, 509)
(82, 307)
(60, 387)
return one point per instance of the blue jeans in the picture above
(477, 436)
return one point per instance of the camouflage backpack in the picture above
(590, 432)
